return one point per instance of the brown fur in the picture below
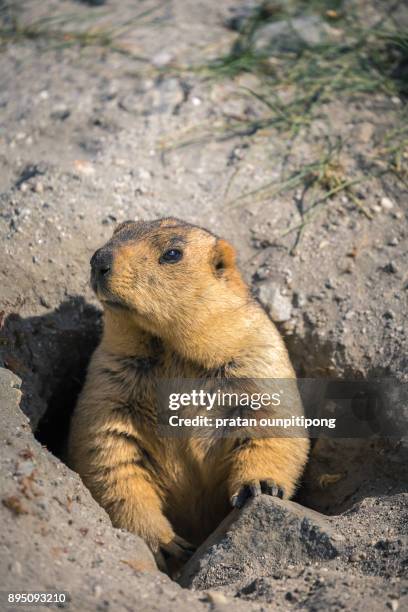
(188, 319)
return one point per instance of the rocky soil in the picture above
(98, 128)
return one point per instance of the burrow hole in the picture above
(51, 352)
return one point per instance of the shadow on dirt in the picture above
(50, 353)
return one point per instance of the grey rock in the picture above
(262, 273)
(161, 59)
(299, 299)
(60, 112)
(240, 14)
(266, 535)
(165, 95)
(290, 35)
(279, 306)
(30, 171)
(391, 267)
(387, 203)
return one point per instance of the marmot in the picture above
(175, 305)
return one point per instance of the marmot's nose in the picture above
(101, 262)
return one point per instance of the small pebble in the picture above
(299, 299)
(144, 175)
(290, 596)
(216, 598)
(161, 59)
(38, 187)
(84, 167)
(386, 203)
(15, 568)
(279, 306)
(391, 267)
(262, 273)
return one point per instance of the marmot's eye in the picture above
(171, 256)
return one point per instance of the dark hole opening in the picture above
(51, 353)
(53, 427)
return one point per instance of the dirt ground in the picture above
(126, 110)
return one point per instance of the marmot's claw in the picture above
(160, 561)
(255, 488)
(252, 489)
(270, 488)
(179, 548)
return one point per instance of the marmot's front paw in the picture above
(255, 488)
(178, 548)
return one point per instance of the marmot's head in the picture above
(166, 274)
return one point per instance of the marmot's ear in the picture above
(122, 225)
(224, 256)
